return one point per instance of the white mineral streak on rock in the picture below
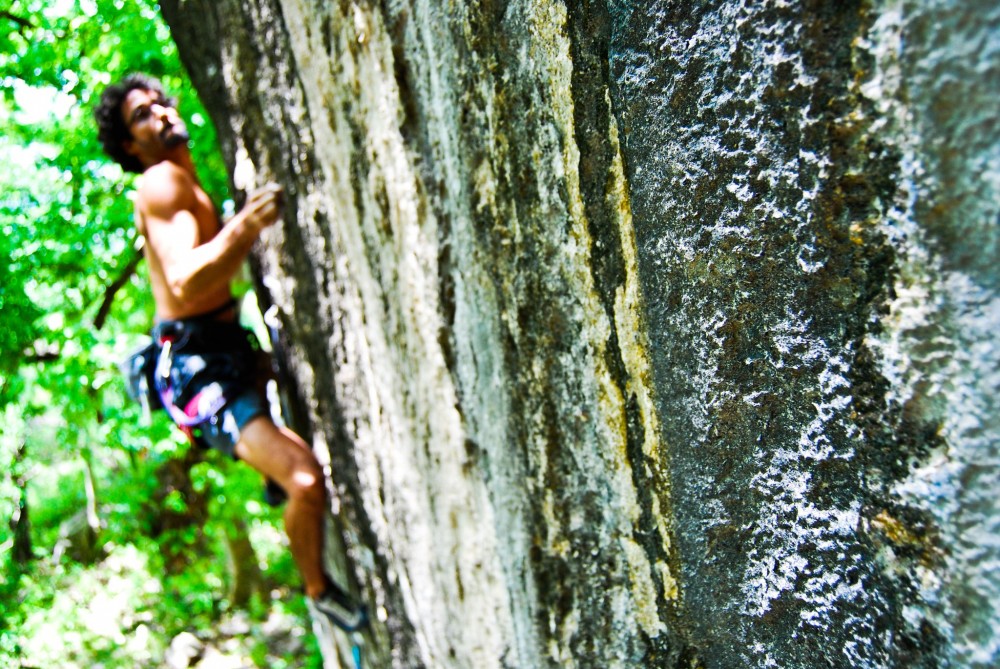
(787, 484)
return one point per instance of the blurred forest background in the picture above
(115, 536)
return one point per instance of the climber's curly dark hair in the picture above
(112, 130)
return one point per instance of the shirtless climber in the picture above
(208, 381)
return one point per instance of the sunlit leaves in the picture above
(64, 208)
(66, 235)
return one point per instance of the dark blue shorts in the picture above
(222, 429)
(215, 378)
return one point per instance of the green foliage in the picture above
(72, 307)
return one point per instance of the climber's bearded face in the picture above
(155, 125)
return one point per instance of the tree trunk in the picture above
(90, 489)
(20, 522)
(637, 334)
(177, 512)
(244, 569)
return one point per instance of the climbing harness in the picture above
(208, 400)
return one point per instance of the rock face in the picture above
(637, 334)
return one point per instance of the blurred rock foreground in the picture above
(636, 334)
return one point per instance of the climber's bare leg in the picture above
(283, 456)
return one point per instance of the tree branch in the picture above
(43, 353)
(22, 22)
(49, 355)
(114, 287)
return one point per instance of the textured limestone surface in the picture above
(635, 334)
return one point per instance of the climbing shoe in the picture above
(342, 611)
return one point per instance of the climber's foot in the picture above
(340, 609)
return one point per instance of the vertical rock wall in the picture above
(636, 334)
